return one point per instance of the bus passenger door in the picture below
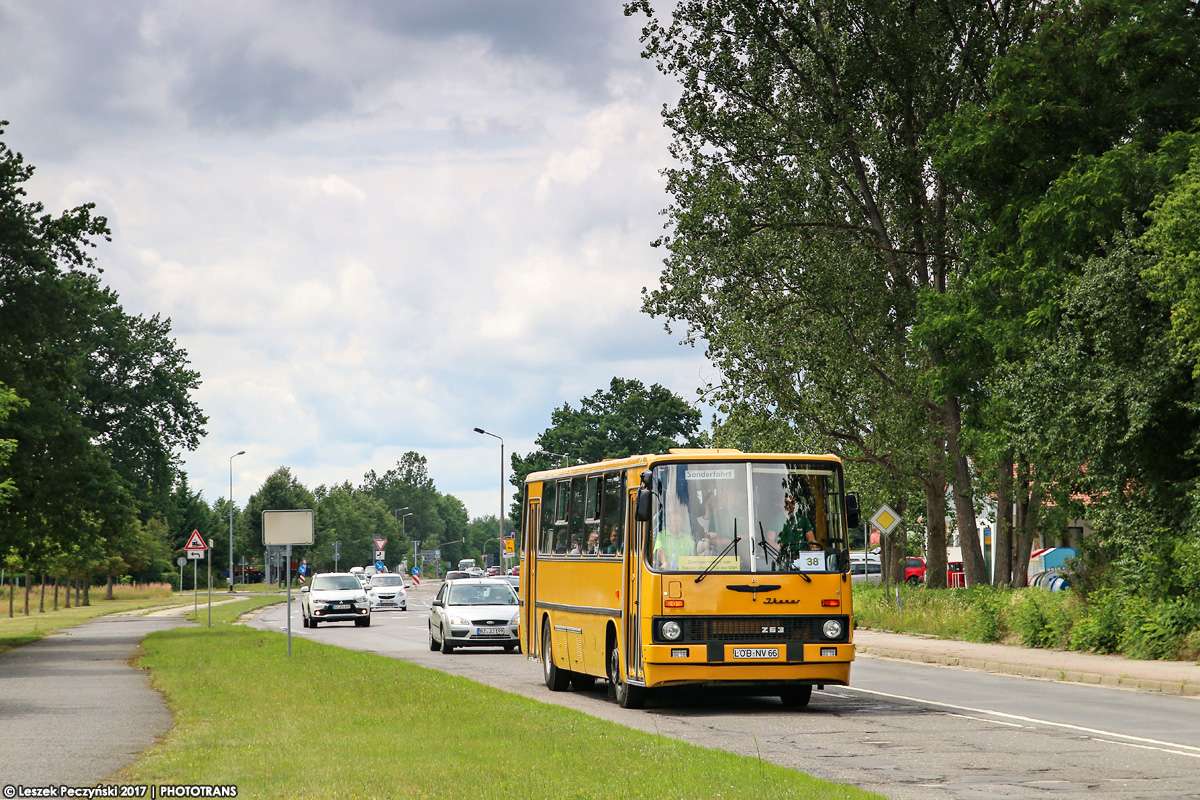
(631, 611)
(528, 584)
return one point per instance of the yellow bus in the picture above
(704, 567)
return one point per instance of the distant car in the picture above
(457, 575)
(868, 571)
(481, 612)
(475, 572)
(387, 591)
(914, 570)
(493, 571)
(335, 597)
(955, 575)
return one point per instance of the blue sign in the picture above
(416, 570)
(303, 569)
(380, 566)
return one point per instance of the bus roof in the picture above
(677, 454)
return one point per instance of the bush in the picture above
(1099, 629)
(1157, 629)
(988, 606)
(1044, 619)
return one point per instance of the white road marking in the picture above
(1099, 735)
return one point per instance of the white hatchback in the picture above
(386, 590)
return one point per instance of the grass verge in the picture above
(20, 629)
(334, 723)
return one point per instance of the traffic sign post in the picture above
(288, 527)
(196, 548)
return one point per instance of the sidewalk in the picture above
(1168, 677)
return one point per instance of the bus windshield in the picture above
(772, 517)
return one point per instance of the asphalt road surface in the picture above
(904, 730)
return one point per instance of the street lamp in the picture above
(566, 458)
(499, 519)
(231, 458)
(403, 527)
(396, 511)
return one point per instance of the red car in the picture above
(914, 570)
(955, 575)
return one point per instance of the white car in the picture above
(474, 612)
(475, 572)
(335, 597)
(387, 591)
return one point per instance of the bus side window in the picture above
(612, 529)
(578, 536)
(591, 516)
(546, 545)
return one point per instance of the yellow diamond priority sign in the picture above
(885, 519)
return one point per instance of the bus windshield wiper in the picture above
(773, 552)
(717, 558)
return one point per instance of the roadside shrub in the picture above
(1157, 629)
(1043, 619)
(988, 605)
(1099, 628)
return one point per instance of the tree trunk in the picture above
(974, 567)
(11, 591)
(935, 525)
(87, 586)
(108, 588)
(67, 593)
(27, 588)
(42, 595)
(1022, 543)
(1004, 527)
(56, 593)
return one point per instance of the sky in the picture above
(375, 225)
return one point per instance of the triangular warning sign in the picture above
(196, 542)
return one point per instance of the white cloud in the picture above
(374, 226)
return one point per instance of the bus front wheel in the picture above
(627, 696)
(796, 696)
(556, 679)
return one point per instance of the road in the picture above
(904, 730)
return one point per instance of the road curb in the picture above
(1183, 688)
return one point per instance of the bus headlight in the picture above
(832, 628)
(671, 630)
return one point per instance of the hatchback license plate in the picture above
(756, 652)
(341, 607)
(489, 631)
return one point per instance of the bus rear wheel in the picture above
(556, 679)
(796, 696)
(627, 696)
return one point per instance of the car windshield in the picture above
(387, 580)
(782, 516)
(489, 595)
(335, 582)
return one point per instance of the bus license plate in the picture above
(489, 631)
(756, 652)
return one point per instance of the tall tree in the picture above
(809, 221)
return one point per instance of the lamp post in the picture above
(403, 527)
(566, 458)
(231, 458)
(499, 519)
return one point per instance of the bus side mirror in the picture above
(853, 520)
(642, 512)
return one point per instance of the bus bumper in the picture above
(771, 664)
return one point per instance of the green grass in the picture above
(334, 723)
(20, 629)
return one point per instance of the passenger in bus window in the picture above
(593, 545)
(574, 551)
(673, 541)
(560, 548)
(613, 548)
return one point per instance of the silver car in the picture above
(474, 612)
(335, 597)
(387, 591)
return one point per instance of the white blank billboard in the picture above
(293, 526)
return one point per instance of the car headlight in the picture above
(459, 620)
(319, 603)
(361, 599)
(516, 621)
(832, 628)
(671, 630)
